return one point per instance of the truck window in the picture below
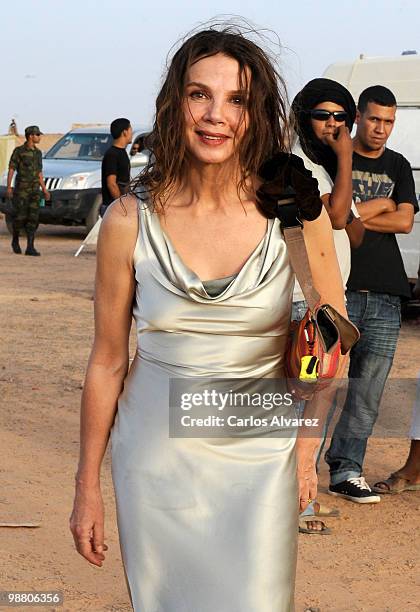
(88, 147)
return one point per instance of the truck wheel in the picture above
(9, 223)
(93, 215)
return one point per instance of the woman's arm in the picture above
(328, 282)
(323, 262)
(107, 368)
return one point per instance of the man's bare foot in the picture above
(396, 483)
(410, 476)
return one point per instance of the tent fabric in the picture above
(91, 239)
(7, 144)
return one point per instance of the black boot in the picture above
(15, 243)
(30, 249)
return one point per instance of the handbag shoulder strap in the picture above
(292, 228)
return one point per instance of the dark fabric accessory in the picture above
(287, 171)
(315, 92)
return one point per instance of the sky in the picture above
(90, 61)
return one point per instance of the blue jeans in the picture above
(378, 317)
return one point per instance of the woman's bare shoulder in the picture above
(120, 225)
(122, 211)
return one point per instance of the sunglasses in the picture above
(319, 114)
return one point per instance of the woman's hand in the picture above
(306, 449)
(87, 524)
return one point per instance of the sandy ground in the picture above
(370, 562)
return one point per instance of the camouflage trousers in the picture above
(26, 210)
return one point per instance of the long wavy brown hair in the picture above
(267, 130)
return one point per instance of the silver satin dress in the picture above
(205, 524)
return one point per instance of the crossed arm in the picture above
(385, 216)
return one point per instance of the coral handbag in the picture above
(315, 343)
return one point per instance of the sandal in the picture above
(394, 484)
(303, 527)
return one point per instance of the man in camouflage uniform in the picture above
(26, 161)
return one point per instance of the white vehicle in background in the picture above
(402, 75)
(72, 173)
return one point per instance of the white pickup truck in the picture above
(402, 75)
(72, 172)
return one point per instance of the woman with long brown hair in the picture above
(205, 524)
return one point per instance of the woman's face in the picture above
(325, 127)
(214, 109)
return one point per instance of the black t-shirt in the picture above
(115, 161)
(377, 264)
